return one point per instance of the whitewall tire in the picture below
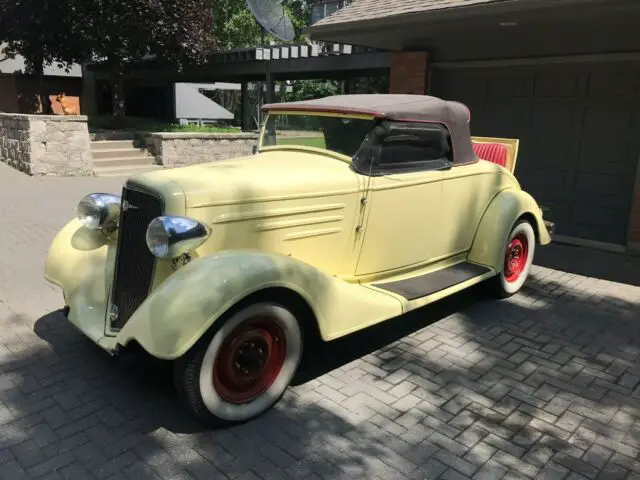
(519, 250)
(243, 367)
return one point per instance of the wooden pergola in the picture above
(330, 61)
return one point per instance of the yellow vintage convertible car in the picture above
(354, 210)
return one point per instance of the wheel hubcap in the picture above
(249, 360)
(516, 258)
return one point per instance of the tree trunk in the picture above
(117, 95)
(35, 67)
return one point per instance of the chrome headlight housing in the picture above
(170, 236)
(99, 211)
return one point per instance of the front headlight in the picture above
(170, 236)
(99, 211)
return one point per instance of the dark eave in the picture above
(287, 62)
(365, 28)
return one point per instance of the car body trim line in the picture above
(334, 193)
(265, 227)
(280, 212)
(312, 233)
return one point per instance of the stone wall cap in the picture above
(51, 118)
(204, 136)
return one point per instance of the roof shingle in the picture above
(375, 9)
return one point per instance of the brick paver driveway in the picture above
(544, 385)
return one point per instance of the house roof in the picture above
(362, 10)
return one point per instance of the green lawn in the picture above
(200, 129)
(317, 142)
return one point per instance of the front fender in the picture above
(80, 261)
(72, 253)
(496, 224)
(185, 306)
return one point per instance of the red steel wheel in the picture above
(249, 360)
(519, 249)
(242, 366)
(516, 256)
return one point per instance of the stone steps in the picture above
(120, 158)
(111, 135)
(97, 145)
(106, 154)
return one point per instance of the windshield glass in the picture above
(334, 133)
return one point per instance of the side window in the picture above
(344, 135)
(413, 147)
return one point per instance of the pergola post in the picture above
(245, 114)
(349, 86)
(269, 84)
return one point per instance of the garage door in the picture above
(579, 127)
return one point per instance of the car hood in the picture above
(272, 175)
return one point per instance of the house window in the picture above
(323, 9)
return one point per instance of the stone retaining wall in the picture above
(46, 144)
(179, 149)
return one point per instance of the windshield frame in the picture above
(309, 113)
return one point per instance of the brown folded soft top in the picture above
(403, 108)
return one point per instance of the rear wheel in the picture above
(243, 367)
(518, 258)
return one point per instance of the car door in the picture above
(467, 191)
(403, 199)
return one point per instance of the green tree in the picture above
(310, 89)
(38, 31)
(300, 13)
(120, 33)
(234, 25)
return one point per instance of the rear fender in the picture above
(186, 305)
(498, 221)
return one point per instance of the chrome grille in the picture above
(135, 264)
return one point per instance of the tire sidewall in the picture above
(229, 412)
(526, 229)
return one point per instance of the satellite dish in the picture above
(273, 18)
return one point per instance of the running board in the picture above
(434, 282)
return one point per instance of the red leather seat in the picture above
(492, 152)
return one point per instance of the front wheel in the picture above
(518, 258)
(243, 367)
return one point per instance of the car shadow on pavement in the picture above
(129, 382)
(590, 262)
(544, 382)
(329, 356)
(72, 408)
